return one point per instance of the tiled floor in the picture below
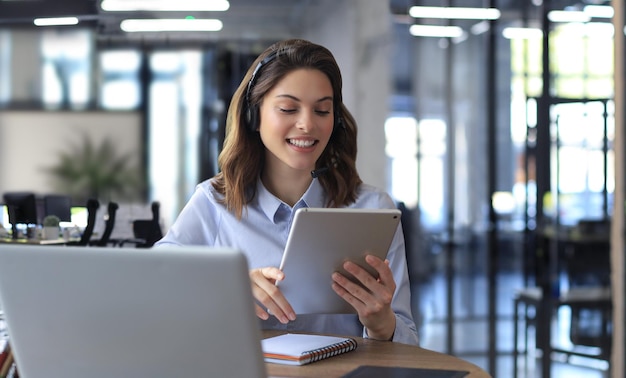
(470, 327)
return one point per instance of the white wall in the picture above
(30, 141)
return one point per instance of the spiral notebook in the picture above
(302, 349)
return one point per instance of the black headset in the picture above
(252, 111)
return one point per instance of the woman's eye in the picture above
(283, 110)
(322, 112)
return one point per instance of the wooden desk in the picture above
(379, 353)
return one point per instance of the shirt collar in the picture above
(270, 204)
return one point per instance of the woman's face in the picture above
(297, 121)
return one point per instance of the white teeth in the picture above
(302, 143)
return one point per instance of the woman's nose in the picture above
(305, 121)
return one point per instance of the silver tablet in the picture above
(320, 241)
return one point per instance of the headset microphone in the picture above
(318, 172)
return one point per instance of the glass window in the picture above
(418, 181)
(401, 147)
(175, 112)
(66, 58)
(121, 87)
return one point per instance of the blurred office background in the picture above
(497, 133)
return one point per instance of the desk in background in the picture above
(378, 353)
(32, 241)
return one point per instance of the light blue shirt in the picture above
(262, 235)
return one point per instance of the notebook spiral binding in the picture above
(331, 350)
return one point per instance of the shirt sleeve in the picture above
(406, 331)
(196, 223)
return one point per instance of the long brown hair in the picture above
(243, 155)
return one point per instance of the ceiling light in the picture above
(159, 25)
(435, 31)
(522, 33)
(55, 21)
(480, 28)
(599, 11)
(455, 13)
(568, 16)
(164, 5)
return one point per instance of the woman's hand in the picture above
(266, 293)
(373, 301)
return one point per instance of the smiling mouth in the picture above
(302, 143)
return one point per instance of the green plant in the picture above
(86, 170)
(51, 221)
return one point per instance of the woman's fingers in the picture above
(266, 293)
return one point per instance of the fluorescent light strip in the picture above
(164, 5)
(599, 11)
(568, 16)
(55, 21)
(435, 31)
(455, 13)
(522, 33)
(159, 25)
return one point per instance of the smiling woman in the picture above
(291, 144)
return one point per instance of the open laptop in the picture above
(126, 312)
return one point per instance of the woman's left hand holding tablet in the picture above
(372, 303)
(266, 293)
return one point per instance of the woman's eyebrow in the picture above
(325, 98)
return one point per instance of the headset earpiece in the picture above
(252, 111)
(338, 123)
(252, 118)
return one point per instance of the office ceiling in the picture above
(244, 20)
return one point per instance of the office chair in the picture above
(586, 263)
(588, 270)
(146, 232)
(59, 205)
(108, 227)
(92, 209)
(22, 209)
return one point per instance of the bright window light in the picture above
(503, 202)
(164, 5)
(455, 13)
(435, 31)
(56, 21)
(401, 147)
(159, 25)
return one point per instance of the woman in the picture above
(291, 143)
